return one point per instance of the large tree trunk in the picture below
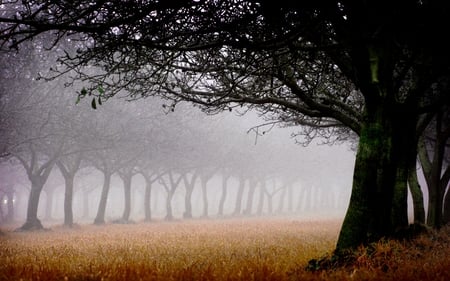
(378, 204)
(100, 218)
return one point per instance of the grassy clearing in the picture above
(276, 249)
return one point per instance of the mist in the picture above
(263, 173)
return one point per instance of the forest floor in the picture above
(231, 249)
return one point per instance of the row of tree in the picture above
(49, 130)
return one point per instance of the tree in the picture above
(373, 67)
(435, 165)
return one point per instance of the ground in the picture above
(229, 249)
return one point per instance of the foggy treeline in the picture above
(125, 161)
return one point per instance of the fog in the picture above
(267, 171)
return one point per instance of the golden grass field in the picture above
(233, 249)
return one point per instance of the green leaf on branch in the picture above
(83, 92)
(93, 104)
(100, 90)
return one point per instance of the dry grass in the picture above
(277, 249)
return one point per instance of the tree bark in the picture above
(378, 204)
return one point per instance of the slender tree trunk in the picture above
(269, 203)
(127, 196)
(100, 218)
(301, 196)
(147, 200)
(189, 185)
(86, 204)
(281, 201)
(169, 215)
(262, 194)
(290, 199)
(223, 197)
(68, 201)
(250, 197)
(240, 193)
(10, 206)
(416, 193)
(446, 215)
(204, 183)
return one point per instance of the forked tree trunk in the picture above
(37, 183)
(32, 222)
